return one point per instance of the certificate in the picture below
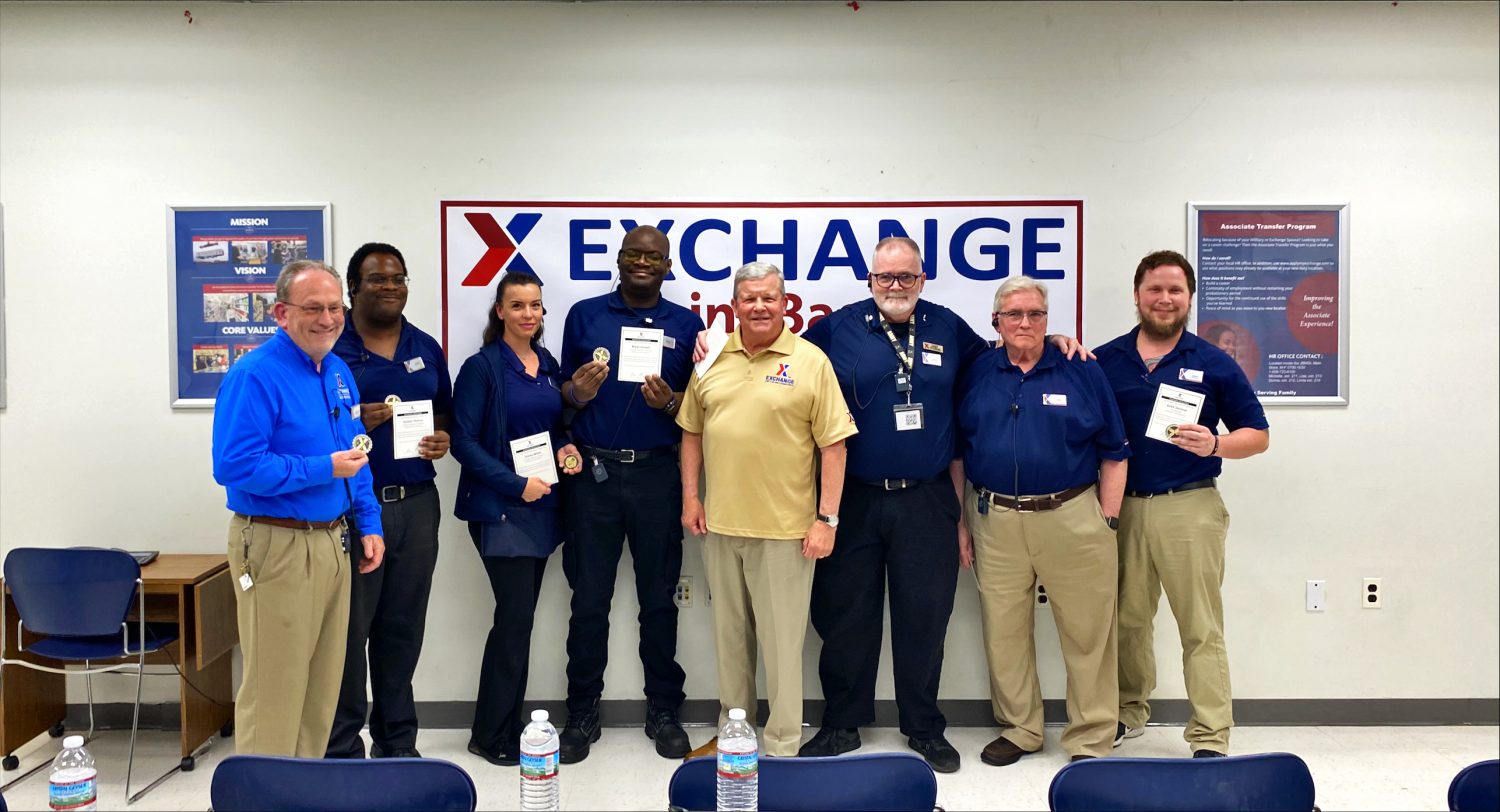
(716, 341)
(1174, 407)
(532, 456)
(640, 353)
(411, 420)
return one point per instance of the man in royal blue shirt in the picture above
(1173, 523)
(630, 490)
(282, 449)
(390, 357)
(1045, 451)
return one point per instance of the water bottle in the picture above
(539, 787)
(739, 764)
(74, 784)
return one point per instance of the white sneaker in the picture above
(1122, 733)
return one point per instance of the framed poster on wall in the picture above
(1273, 292)
(222, 262)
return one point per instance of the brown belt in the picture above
(1033, 504)
(295, 524)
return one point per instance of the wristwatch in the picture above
(1114, 522)
(831, 521)
(671, 404)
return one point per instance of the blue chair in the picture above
(285, 784)
(1265, 781)
(872, 782)
(1476, 788)
(78, 602)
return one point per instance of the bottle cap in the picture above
(737, 714)
(538, 715)
(72, 742)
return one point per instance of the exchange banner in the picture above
(823, 248)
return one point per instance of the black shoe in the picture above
(938, 752)
(582, 731)
(1208, 754)
(1002, 752)
(663, 727)
(1123, 732)
(1081, 757)
(830, 741)
(497, 759)
(376, 751)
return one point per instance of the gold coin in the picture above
(1171, 431)
(392, 400)
(570, 462)
(362, 442)
(601, 355)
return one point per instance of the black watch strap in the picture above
(1114, 522)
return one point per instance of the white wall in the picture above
(108, 112)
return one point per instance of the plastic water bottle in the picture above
(74, 784)
(739, 764)
(539, 781)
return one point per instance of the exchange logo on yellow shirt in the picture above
(783, 375)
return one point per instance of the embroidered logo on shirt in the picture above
(783, 375)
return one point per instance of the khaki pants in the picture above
(293, 625)
(1071, 551)
(761, 589)
(1175, 543)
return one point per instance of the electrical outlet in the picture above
(1317, 596)
(1373, 595)
(683, 596)
(1041, 597)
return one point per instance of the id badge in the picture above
(909, 417)
(597, 470)
(903, 383)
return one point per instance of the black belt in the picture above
(295, 524)
(395, 493)
(897, 484)
(1191, 486)
(1033, 504)
(630, 454)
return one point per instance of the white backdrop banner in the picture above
(968, 248)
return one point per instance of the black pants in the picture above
(640, 502)
(499, 716)
(388, 612)
(910, 538)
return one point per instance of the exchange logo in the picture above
(783, 375)
(502, 246)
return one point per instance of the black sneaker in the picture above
(830, 741)
(1208, 754)
(497, 759)
(1123, 732)
(582, 731)
(376, 751)
(938, 752)
(663, 727)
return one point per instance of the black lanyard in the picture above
(907, 357)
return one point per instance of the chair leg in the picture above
(135, 720)
(88, 684)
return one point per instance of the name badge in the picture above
(354, 411)
(1194, 375)
(1054, 400)
(669, 342)
(909, 417)
(932, 359)
(415, 364)
(931, 347)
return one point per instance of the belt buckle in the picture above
(886, 483)
(386, 493)
(627, 455)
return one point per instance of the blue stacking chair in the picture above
(285, 784)
(1264, 781)
(78, 602)
(1476, 788)
(871, 782)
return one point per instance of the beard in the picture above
(896, 311)
(1162, 330)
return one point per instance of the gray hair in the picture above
(1017, 284)
(292, 270)
(752, 271)
(905, 242)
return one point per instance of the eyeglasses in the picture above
(314, 311)
(633, 255)
(1016, 316)
(885, 280)
(398, 281)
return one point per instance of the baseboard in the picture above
(960, 712)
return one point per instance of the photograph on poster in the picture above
(208, 358)
(284, 251)
(250, 252)
(225, 307)
(210, 251)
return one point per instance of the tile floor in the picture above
(1354, 768)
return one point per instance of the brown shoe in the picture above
(708, 748)
(1002, 752)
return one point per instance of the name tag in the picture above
(354, 411)
(932, 359)
(931, 347)
(415, 364)
(669, 342)
(1194, 375)
(909, 417)
(1054, 400)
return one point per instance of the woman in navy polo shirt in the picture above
(507, 408)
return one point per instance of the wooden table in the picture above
(194, 591)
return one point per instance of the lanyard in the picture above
(907, 357)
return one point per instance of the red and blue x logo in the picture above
(502, 253)
(785, 371)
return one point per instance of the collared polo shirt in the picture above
(866, 365)
(1038, 432)
(619, 416)
(419, 371)
(762, 417)
(532, 405)
(1195, 365)
(277, 421)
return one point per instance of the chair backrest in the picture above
(1265, 781)
(284, 784)
(71, 592)
(875, 782)
(1476, 787)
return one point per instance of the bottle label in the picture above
(539, 766)
(73, 794)
(738, 765)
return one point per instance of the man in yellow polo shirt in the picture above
(755, 417)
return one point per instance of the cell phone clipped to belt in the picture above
(344, 536)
